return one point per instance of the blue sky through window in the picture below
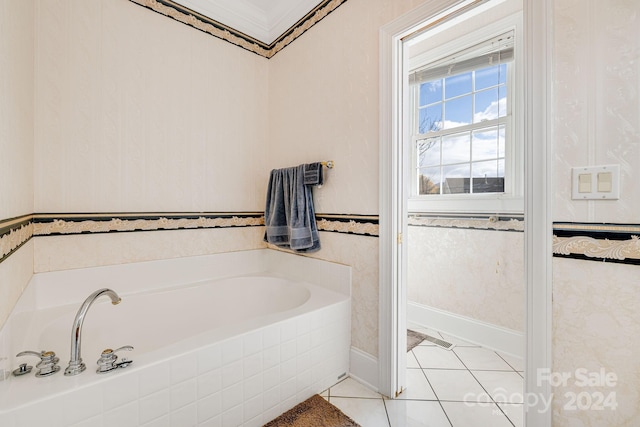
(476, 152)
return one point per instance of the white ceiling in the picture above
(264, 20)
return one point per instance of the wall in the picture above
(16, 143)
(478, 274)
(136, 112)
(596, 77)
(323, 104)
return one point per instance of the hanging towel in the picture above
(313, 174)
(289, 214)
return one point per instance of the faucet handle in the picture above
(107, 361)
(48, 364)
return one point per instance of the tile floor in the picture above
(467, 386)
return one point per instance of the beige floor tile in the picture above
(416, 413)
(456, 385)
(516, 363)
(476, 358)
(504, 387)
(411, 360)
(352, 388)
(417, 386)
(366, 412)
(475, 415)
(436, 357)
(514, 412)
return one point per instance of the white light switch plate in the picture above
(604, 182)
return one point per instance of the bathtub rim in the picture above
(14, 389)
(321, 274)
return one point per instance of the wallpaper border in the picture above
(480, 222)
(212, 27)
(619, 243)
(14, 232)
(91, 223)
(83, 223)
(349, 224)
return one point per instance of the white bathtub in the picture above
(230, 339)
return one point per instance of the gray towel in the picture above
(289, 214)
(313, 174)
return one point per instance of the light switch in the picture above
(584, 183)
(595, 182)
(605, 179)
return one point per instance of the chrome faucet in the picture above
(76, 365)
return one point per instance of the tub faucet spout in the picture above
(76, 365)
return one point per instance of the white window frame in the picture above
(512, 200)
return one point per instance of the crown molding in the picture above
(218, 29)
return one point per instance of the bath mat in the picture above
(414, 338)
(313, 412)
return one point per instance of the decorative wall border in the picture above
(617, 243)
(349, 224)
(480, 222)
(14, 232)
(217, 29)
(62, 224)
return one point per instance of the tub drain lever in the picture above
(47, 365)
(108, 360)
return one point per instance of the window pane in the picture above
(456, 148)
(503, 73)
(502, 90)
(429, 152)
(456, 179)
(429, 181)
(457, 112)
(486, 106)
(487, 177)
(485, 144)
(430, 118)
(457, 85)
(501, 139)
(430, 92)
(488, 77)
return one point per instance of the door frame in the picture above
(538, 209)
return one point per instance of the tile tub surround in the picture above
(237, 380)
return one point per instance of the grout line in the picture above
(505, 361)
(357, 397)
(432, 389)
(468, 370)
(448, 369)
(386, 412)
(484, 388)
(435, 394)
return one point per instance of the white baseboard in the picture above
(364, 368)
(468, 329)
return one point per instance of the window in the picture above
(464, 146)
